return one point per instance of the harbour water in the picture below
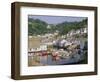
(75, 58)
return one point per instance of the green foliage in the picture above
(36, 26)
(68, 26)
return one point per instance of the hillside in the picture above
(39, 27)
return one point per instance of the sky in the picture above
(56, 19)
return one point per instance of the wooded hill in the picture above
(39, 27)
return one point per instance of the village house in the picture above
(79, 31)
(34, 44)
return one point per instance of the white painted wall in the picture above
(5, 40)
